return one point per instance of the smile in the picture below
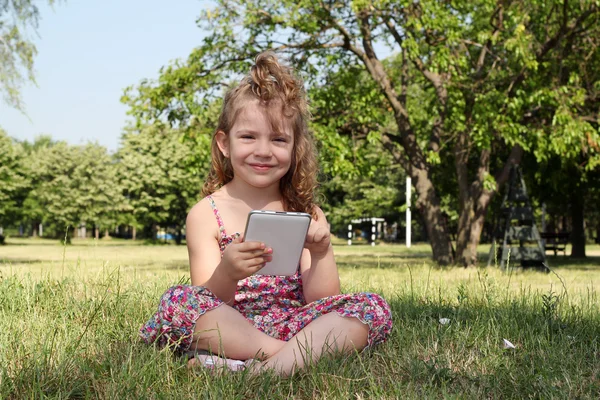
(261, 167)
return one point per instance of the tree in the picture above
(16, 50)
(484, 70)
(13, 180)
(359, 178)
(158, 180)
(100, 194)
(77, 184)
(32, 212)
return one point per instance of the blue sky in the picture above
(88, 52)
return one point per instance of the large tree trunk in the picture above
(133, 233)
(427, 202)
(475, 201)
(465, 200)
(412, 160)
(429, 206)
(577, 220)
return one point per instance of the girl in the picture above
(263, 158)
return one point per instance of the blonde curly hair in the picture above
(272, 84)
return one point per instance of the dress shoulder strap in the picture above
(217, 216)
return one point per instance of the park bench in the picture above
(556, 241)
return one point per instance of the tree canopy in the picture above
(471, 85)
(17, 51)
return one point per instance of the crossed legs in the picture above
(225, 331)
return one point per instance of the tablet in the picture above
(284, 232)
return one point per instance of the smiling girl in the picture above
(263, 158)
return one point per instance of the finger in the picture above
(322, 234)
(251, 246)
(256, 263)
(257, 253)
(255, 268)
(314, 236)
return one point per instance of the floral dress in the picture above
(273, 304)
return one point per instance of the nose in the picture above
(263, 149)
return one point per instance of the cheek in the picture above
(284, 153)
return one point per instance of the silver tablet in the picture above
(284, 232)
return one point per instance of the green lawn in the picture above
(69, 318)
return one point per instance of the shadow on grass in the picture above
(38, 242)
(75, 242)
(9, 261)
(381, 260)
(590, 263)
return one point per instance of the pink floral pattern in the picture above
(274, 304)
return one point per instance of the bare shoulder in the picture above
(201, 221)
(199, 211)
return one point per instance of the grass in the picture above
(69, 318)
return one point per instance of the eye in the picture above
(280, 139)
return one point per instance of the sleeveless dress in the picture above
(273, 304)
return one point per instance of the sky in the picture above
(89, 51)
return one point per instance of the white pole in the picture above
(350, 235)
(373, 227)
(408, 216)
(41, 232)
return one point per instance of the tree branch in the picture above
(551, 43)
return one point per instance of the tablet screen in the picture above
(284, 232)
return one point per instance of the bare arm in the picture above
(207, 268)
(320, 276)
(202, 233)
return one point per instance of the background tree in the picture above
(160, 177)
(16, 50)
(100, 194)
(32, 164)
(480, 66)
(77, 184)
(360, 179)
(13, 180)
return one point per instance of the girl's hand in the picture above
(242, 259)
(318, 240)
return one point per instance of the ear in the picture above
(223, 143)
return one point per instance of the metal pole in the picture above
(373, 227)
(350, 235)
(408, 216)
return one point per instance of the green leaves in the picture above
(16, 50)
(13, 180)
(465, 82)
(160, 175)
(77, 184)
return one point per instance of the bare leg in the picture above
(326, 334)
(225, 331)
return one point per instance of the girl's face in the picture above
(259, 156)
